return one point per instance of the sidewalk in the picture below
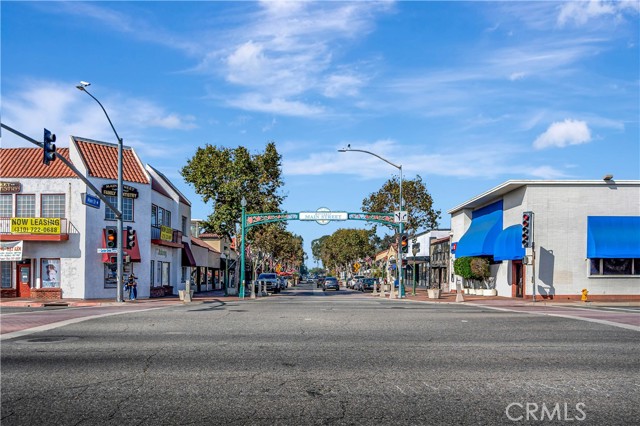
(205, 296)
(421, 296)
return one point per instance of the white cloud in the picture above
(517, 76)
(342, 85)
(256, 102)
(61, 108)
(473, 162)
(561, 134)
(581, 12)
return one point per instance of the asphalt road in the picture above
(313, 357)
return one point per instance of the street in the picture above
(313, 357)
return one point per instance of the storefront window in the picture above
(5, 274)
(615, 267)
(110, 276)
(165, 273)
(152, 274)
(50, 273)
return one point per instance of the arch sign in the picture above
(322, 216)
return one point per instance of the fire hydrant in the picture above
(585, 293)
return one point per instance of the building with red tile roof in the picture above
(58, 241)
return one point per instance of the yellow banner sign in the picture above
(35, 225)
(166, 233)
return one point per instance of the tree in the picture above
(225, 175)
(340, 250)
(417, 202)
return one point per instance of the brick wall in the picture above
(46, 293)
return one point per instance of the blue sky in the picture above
(465, 94)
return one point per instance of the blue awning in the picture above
(508, 245)
(613, 237)
(481, 236)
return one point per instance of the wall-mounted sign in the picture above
(90, 200)
(166, 233)
(35, 225)
(10, 187)
(111, 190)
(11, 251)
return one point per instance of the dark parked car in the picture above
(330, 283)
(368, 284)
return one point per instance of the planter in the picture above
(183, 293)
(490, 292)
(434, 293)
(168, 290)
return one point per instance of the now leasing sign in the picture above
(35, 225)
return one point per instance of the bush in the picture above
(472, 268)
(480, 268)
(462, 267)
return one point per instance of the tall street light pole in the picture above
(243, 203)
(400, 225)
(119, 279)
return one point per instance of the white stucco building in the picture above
(586, 235)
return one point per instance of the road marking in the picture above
(598, 321)
(28, 331)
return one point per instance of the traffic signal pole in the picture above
(117, 211)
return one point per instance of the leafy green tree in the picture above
(417, 202)
(224, 175)
(340, 250)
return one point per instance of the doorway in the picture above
(517, 279)
(23, 287)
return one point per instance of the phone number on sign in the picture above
(35, 230)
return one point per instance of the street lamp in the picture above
(243, 203)
(226, 269)
(400, 225)
(119, 279)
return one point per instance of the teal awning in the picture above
(480, 238)
(508, 244)
(613, 237)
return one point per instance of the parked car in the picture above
(269, 281)
(368, 284)
(330, 283)
(353, 281)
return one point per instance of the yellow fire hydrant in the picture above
(585, 293)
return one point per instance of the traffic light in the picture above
(49, 147)
(131, 237)
(527, 229)
(112, 237)
(404, 243)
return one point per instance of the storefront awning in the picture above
(133, 253)
(508, 245)
(187, 256)
(613, 237)
(480, 238)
